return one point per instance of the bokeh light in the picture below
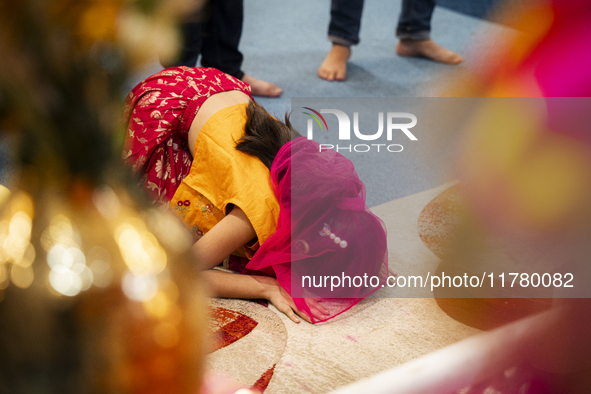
(16, 252)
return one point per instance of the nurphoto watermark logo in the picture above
(396, 122)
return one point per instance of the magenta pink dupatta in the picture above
(325, 231)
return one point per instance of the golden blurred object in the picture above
(145, 38)
(97, 22)
(4, 194)
(98, 291)
(97, 304)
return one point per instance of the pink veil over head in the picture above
(328, 247)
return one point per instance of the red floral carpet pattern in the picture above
(231, 326)
(247, 342)
(264, 380)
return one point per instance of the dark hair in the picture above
(264, 135)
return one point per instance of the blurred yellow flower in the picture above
(97, 22)
(523, 174)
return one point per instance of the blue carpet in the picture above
(477, 8)
(285, 42)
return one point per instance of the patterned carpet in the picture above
(255, 346)
(248, 340)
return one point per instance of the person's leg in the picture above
(343, 31)
(221, 37)
(414, 33)
(345, 21)
(220, 45)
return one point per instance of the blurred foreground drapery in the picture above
(522, 206)
(524, 163)
(97, 291)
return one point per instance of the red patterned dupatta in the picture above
(325, 230)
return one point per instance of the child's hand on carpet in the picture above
(317, 310)
(283, 301)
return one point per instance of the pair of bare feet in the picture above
(334, 66)
(262, 88)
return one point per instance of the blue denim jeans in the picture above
(414, 22)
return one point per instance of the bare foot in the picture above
(262, 88)
(334, 65)
(429, 50)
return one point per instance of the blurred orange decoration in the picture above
(98, 291)
(526, 162)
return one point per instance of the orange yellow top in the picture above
(222, 177)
